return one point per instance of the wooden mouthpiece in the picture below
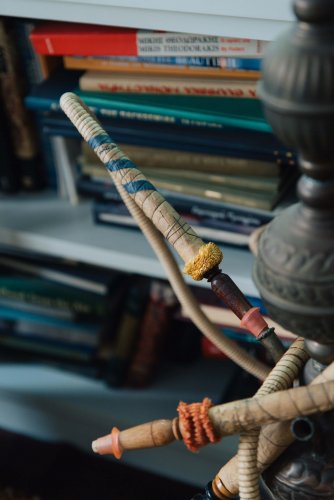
(149, 435)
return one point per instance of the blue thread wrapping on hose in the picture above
(98, 140)
(136, 186)
(120, 164)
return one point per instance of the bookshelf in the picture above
(53, 226)
(259, 19)
(35, 398)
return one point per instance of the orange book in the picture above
(138, 67)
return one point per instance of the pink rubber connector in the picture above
(253, 321)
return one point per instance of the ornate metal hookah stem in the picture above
(295, 266)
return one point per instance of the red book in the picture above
(152, 336)
(58, 38)
(68, 39)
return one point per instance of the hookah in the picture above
(286, 428)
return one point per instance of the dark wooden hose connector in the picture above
(250, 317)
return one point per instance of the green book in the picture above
(178, 109)
(52, 295)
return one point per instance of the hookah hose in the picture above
(196, 427)
(273, 440)
(203, 422)
(244, 467)
(153, 213)
(201, 260)
(187, 298)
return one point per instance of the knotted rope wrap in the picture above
(197, 429)
(199, 258)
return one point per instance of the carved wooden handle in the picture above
(148, 435)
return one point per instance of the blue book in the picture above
(212, 62)
(213, 224)
(238, 143)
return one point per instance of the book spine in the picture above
(111, 83)
(249, 182)
(36, 291)
(127, 42)
(209, 227)
(47, 150)
(139, 67)
(268, 184)
(9, 175)
(238, 146)
(21, 123)
(48, 64)
(44, 348)
(176, 44)
(74, 274)
(70, 334)
(141, 113)
(228, 214)
(152, 335)
(30, 60)
(105, 107)
(74, 62)
(127, 333)
(242, 197)
(161, 158)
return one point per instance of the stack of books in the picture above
(183, 107)
(84, 318)
(56, 310)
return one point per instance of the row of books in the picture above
(213, 157)
(82, 317)
(116, 326)
(221, 207)
(209, 154)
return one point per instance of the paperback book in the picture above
(209, 226)
(235, 63)
(228, 147)
(129, 83)
(195, 67)
(65, 38)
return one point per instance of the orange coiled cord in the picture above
(197, 429)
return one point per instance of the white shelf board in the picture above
(258, 19)
(52, 405)
(45, 223)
